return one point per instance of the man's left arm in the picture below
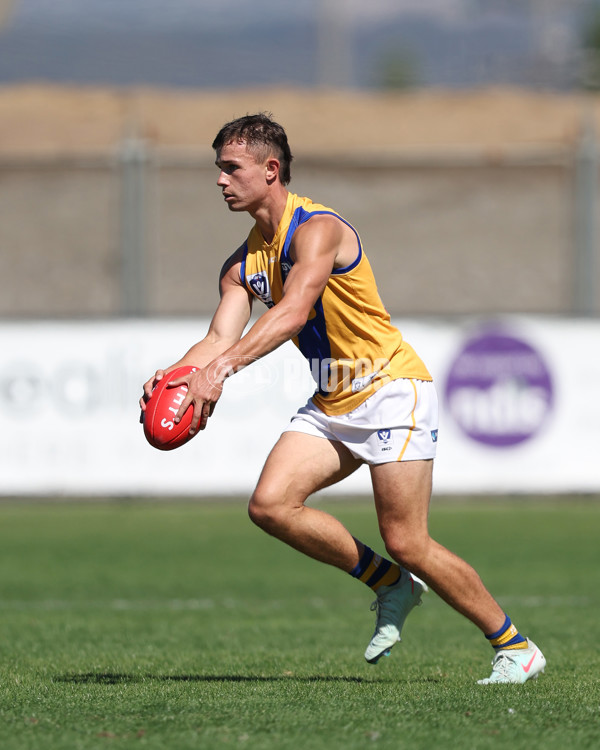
(315, 250)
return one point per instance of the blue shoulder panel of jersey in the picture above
(313, 341)
(299, 217)
(243, 266)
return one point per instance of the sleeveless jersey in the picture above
(348, 340)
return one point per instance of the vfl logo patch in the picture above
(434, 435)
(259, 283)
(385, 438)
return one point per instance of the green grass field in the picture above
(180, 625)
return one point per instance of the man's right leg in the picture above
(298, 466)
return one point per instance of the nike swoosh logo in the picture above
(527, 667)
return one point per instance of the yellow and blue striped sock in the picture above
(508, 637)
(375, 570)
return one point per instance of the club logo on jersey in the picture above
(259, 283)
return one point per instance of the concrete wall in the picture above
(443, 238)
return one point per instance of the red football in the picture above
(159, 426)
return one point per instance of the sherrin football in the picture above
(160, 429)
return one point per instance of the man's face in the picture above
(242, 179)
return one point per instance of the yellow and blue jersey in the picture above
(350, 344)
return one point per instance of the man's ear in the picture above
(272, 169)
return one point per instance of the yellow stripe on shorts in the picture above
(412, 427)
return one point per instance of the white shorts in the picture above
(399, 422)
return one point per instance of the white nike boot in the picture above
(516, 665)
(393, 605)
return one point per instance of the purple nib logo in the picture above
(499, 390)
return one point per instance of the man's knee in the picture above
(258, 510)
(267, 509)
(407, 550)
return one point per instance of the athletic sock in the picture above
(375, 570)
(508, 637)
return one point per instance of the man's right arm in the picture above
(226, 327)
(230, 318)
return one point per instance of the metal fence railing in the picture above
(144, 232)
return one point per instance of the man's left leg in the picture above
(402, 495)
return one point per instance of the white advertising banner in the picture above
(519, 400)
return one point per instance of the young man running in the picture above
(375, 402)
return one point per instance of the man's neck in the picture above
(268, 215)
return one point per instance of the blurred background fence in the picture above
(459, 137)
(143, 231)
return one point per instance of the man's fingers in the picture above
(207, 410)
(183, 407)
(178, 381)
(202, 409)
(149, 386)
(196, 423)
(187, 400)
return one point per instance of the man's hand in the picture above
(203, 392)
(148, 387)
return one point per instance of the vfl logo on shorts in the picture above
(434, 435)
(259, 283)
(385, 438)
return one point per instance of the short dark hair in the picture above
(263, 137)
